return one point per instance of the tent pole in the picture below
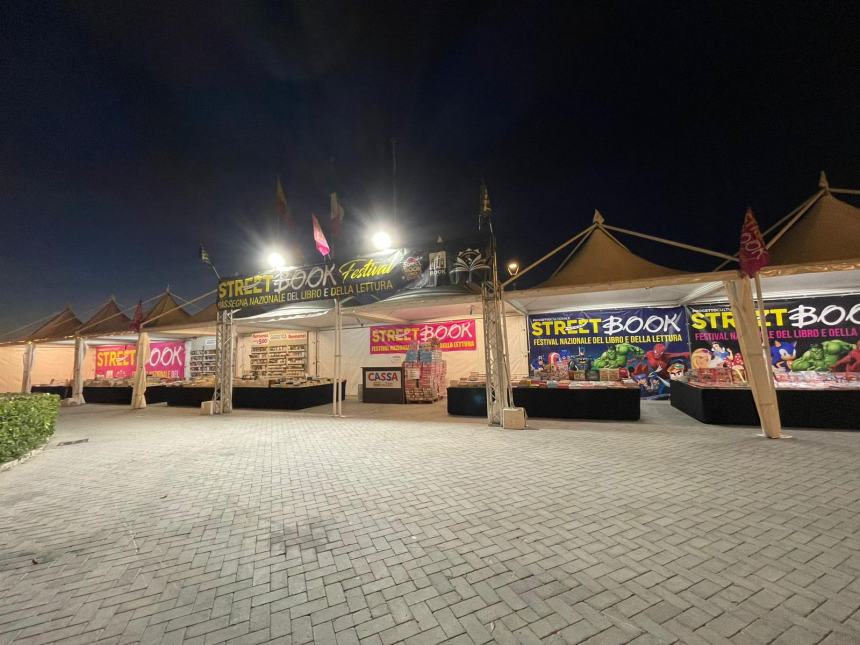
(765, 341)
(680, 245)
(30, 324)
(190, 302)
(803, 208)
(78, 374)
(29, 360)
(547, 256)
(316, 352)
(800, 213)
(764, 394)
(138, 392)
(340, 364)
(569, 255)
(334, 361)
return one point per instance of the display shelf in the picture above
(277, 361)
(201, 362)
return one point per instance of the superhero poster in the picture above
(809, 335)
(650, 343)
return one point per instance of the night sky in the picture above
(132, 132)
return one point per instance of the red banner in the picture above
(753, 254)
(453, 336)
(166, 360)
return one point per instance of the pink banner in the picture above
(166, 360)
(453, 336)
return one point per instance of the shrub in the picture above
(26, 422)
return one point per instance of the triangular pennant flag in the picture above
(283, 207)
(753, 253)
(137, 321)
(319, 238)
(485, 211)
(336, 216)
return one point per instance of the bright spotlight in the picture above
(275, 260)
(382, 240)
(513, 268)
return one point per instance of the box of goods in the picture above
(723, 376)
(609, 374)
(429, 384)
(579, 375)
(592, 375)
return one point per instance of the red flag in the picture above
(753, 253)
(283, 207)
(137, 321)
(336, 216)
(319, 237)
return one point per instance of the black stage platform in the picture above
(831, 409)
(616, 404)
(266, 398)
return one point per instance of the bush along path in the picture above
(26, 422)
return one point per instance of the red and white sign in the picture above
(453, 336)
(166, 360)
(382, 379)
(279, 337)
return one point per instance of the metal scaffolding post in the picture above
(499, 394)
(222, 397)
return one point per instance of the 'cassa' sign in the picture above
(382, 379)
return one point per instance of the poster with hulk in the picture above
(808, 335)
(648, 344)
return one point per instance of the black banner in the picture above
(815, 334)
(356, 281)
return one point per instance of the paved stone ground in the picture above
(170, 527)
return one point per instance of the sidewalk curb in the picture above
(9, 465)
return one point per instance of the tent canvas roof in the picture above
(60, 326)
(828, 231)
(159, 313)
(107, 320)
(205, 315)
(601, 258)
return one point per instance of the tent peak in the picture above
(598, 217)
(822, 181)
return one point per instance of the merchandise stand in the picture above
(832, 409)
(267, 398)
(615, 404)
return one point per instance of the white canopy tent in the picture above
(633, 281)
(347, 357)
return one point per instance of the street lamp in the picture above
(275, 260)
(513, 270)
(381, 240)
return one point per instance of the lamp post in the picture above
(275, 260)
(513, 270)
(381, 241)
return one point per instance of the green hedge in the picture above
(26, 422)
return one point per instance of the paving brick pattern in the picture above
(168, 527)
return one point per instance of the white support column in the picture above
(757, 366)
(138, 392)
(340, 378)
(225, 337)
(337, 404)
(29, 359)
(78, 374)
